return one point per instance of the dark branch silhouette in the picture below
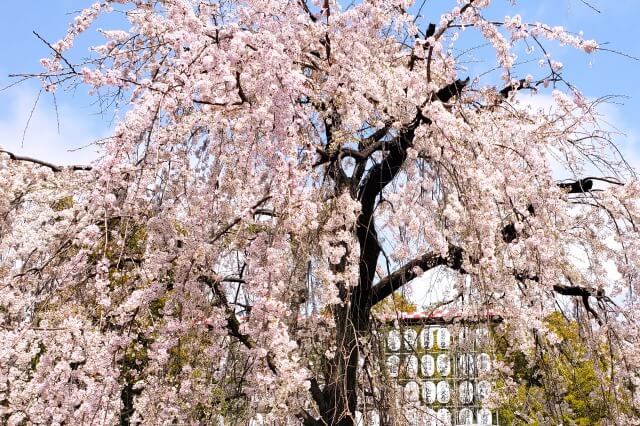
(577, 187)
(53, 167)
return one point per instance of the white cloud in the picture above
(434, 286)
(42, 139)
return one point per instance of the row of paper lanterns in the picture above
(442, 338)
(429, 417)
(441, 392)
(468, 365)
(415, 416)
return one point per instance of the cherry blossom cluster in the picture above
(278, 170)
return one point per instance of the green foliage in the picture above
(63, 203)
(397, 303)
(559, 385)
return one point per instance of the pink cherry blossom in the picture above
(277, 171)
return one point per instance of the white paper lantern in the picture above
(465, 417)
(444, 338)
(429, 392)
(374, 418)
(444, 417)
(484, 417)
(466, 365)
(393, 365)
(426, 338)
(443, 392)
(411, 366)
(430, 417)
(443, 365)
(463, 365)
(393, 340)
(465, 338)
(410, 338)
(411, 392)
(428, 365)
(483, 389)
(484, 363)
(466, 392)
(411, 415)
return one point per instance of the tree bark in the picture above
(340, 398)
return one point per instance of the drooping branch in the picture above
(237, 219)
(56, 51)
(580, 186)
(233, 325)
(443, 28)
(233, 329)
(52, 166)
(241, 95)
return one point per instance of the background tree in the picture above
(557, 381)
(280, 169)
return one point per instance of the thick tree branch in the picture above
(376, 179)
(374, 142)
(452, 89)
(325, 157)
(307, 419)
(409, 271)
(53, 167)
(454, 260)
(384, 172)
(577, 187)
(571, 291)
(305, 7)
(512, 87)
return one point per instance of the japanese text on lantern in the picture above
(443, 371)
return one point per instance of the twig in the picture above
(26, 126)
(58, 54)
(586, 3)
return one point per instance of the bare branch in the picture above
(58, 54)
(53, 167)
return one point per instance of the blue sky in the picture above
(615, 27)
